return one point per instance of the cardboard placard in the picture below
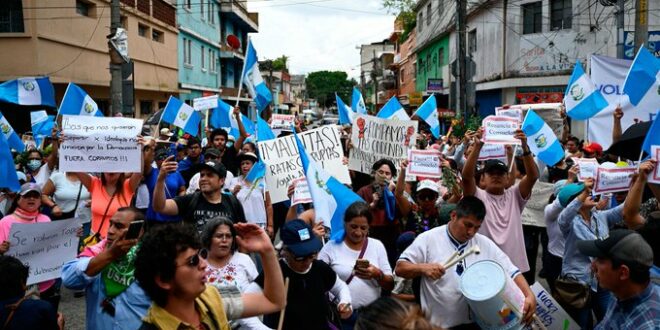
(654, 177)
(424, 163)
(492, 151)
(301, 193)
(550, 312)
(514, 112)
(281, 121)
(205, 103)
(500, 130)
(610, 180)
(588, 168)
(100, 144)
(377, 138)
(44, 247)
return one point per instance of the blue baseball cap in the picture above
(299, 238)
(569, 192)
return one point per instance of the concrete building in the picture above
(298, 92)
(279, 83)
(66, 40)
(374, 68)
(404, 65)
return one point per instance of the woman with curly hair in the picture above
(390, 313)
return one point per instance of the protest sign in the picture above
(301, 193)
(500, 130)
(588, 168)
(550, 312)
(101, 144)
(205, 103)
(514, 112)
(377, 138)
(613, 179)
(654, 177)
(425, 163)
(44, 247)
(283, 163)
(492, 151)
(281, 121)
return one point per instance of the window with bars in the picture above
(420, 21)
(187, 44)
(11, 16)
(428, 14)
(203, 59)
(532, 17)
(561, 14)
(201, 6)
(441, 56)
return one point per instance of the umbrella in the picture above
(630, 144)
(155, 118)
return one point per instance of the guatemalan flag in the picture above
(264, 133)
(28, 91)
(652, 136)
(346, 114)
(13, 139)
(257, 172)
(253, 81)
(541, 139)
(182, 115)
(582, 99)
(329, 196)
(76, 102)
(393, 109)
(8, 179)
(357, 102)
(42, 125)
(643, 78)
(429, 112)
(222, 117)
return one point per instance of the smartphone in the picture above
(134, 229)
(362, 263)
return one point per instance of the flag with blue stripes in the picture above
(253, 81)
(346, 114)
(182, 115)
(541, 139)
(428, 111)
(76, 102)
(257, 172)
(28, 91)
(13, 139)
(329, 196)
(222, 117)
(42, 125)
(582, 99)
(357, 102)
(652, 136)
(9, 178)
(643, 78)
(264, 133)
(393, 109)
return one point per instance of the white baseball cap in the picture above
(427, 184)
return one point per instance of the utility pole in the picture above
(641, 23)
(620, 28)
(461, 61)
(115, 64)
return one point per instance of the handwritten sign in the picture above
(425, 163)
(609, 180)
(100, 144)
(301, 193)
(500, 130)
(205, 103)
(281, 121)
(588, 168)
(283, 163)
(377, 138)
(44, 247)
(513, 112)
(550, 312)
(654, 177)
(492, 151)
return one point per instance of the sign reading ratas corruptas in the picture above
(377, 138)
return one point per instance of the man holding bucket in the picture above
(441, 255)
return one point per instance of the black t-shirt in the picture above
(31, 314)
(230, 161)
(307, 303)
(203, 211)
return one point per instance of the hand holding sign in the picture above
(648, 169)
(500, 130)
(654, 171)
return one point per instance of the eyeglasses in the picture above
(194, 260)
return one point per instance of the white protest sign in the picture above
(301, 193)
(205, 103)
(550, 312)
(654, 177)
(500, 130)
(492, 151)
(514, 112)
(588, 168)
(283, 163)
(377, 138)
(44, 247)
(100, 144)
(613, 179)
(424, 163)
(281, 121)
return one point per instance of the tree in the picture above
(281, 63)
(322, 85)
(404, 9)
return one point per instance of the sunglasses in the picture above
(195, 259)
(426, 198)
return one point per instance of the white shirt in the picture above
(66, 192)
(442, 299)
(251, 199)
(555, 237)
(342, 260)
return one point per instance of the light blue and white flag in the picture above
(264, 133)
(346, 114)
(329, 196)
(429, 112)
(76, 102)
(257, 172)
(643, 79)
(222, 117)
(182, 115)
(9, 178)
(582, 99)
(541, 139)
(253, 81)
(8, 132)
(652, 136)
(28, 91)
(357, 102)
(42, 125)
(393, 109)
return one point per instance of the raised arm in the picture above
(401, 200)
(85, 179)
(631, 215)
(160, 203)
(53, 157)
(616, 127)
(469, 184)
(241, 129)
(531, 171)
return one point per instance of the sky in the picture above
(319, 34)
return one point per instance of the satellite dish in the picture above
(233, 41)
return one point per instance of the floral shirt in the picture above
(239, 272)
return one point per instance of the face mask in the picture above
(34, 164)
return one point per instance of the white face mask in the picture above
(34, 164)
